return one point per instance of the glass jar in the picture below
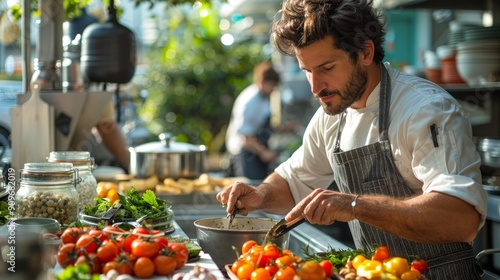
(87, 187)
(48, 190)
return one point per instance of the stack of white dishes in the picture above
(478, 58)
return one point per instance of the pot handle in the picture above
(165, 138)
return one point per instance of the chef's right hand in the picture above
(245, 197)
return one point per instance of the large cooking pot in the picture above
(217, 239)
(489, 151)
(167, 159)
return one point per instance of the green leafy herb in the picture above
(338, 257)
(133, 206)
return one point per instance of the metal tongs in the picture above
(282, 227)
(110, 213)
(231, 215)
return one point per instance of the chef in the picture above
(398, 149)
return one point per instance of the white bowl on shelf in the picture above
(476, 71)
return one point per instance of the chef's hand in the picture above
(323, 207)
(246, 198)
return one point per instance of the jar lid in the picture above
(47, 167)
(74, 157)
(50, 173)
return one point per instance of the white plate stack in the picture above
(478, 57)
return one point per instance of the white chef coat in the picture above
(451, 168)
(251, 111)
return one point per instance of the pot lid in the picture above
(168, 145)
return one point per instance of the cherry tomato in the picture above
(126, 242)
(285, 273)
(260, 274)
(272, 269)
(286, 260)
(70, 235)
(99, 235)
(411, 275)
(271, 253)
(125, 264)
(144, 267)
(357, 260)
(245, 271)
(247, 246)
(162, 242)
(92, 260)
(236, 264)
(110, 230)
(140, 230)
(181, 253)
(144, 248)
(311, 270)
(419, 265)
(107, 252)
(88, 243)
(381, 254)
(164, 265)
(327, 267)
(67, 254)
(109, 266)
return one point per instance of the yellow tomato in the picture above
(358, 259)
(370, 269)
(411, 275)
(396, 266)
(311, 270)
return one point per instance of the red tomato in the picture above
(162, 242)
(141, 230)
(107, 252)
(381, 254)
(70, 235)
(144, 248)
(181, 253)
(88, 243)
(247, 246)
(125, 264)
(164, 265)
(92, 260)
(67, 254)
(271, 253)
(144, 267)
(419, 265)
(98, 234)
(126, 242)
(110, 230)
(327, 267)
(272, 269)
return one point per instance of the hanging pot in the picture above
(108, 51)
(167, 159)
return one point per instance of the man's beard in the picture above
(350, 94)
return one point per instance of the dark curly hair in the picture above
(350, 22)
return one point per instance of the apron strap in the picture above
(384, 103)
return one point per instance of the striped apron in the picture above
(371, 170)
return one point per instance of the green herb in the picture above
(78, 272)
(4, 213)
(338, 257)
(133, 206)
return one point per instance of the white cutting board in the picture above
(33, 130)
